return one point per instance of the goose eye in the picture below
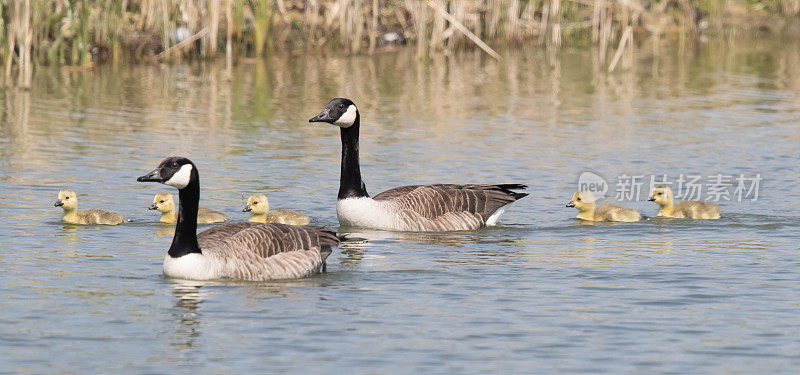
(341, 106)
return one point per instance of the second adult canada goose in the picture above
(244, 251)
(662, 194)
(164, 202)
(259, 206)
(68, 201)
(440, 207)
(584, 201)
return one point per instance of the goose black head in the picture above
(341, 112)
(174, 171)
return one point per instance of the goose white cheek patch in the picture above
(348, 118)
(181, 178)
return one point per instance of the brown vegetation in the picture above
(79, 33)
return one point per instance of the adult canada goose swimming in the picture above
(68, 200)
(440, 207)
(244, 251)
(165, 203)
(662, 194)
(259, 206)
(584, 201)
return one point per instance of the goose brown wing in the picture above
(265, 240)
(434, 201)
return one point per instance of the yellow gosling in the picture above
(584, 201)
(68, 201)
(165, 203)
(258, 205)
(662, 194)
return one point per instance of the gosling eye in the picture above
(660, 193)
(255, 203)
(66, 197)
(160, 201)
(579, 199)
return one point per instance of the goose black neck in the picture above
(185, 240)
(350, 183)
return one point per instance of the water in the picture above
(541, 292)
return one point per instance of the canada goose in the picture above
(259, 206)
(165, 203)
(662, 194)
(584, 201)
(244, 251)
(68, 200)
(440, 207)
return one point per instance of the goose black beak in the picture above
(652, 199)
(324, 116)
(247, 209)
(571, 204)
(152, 206)
(154, 176)
(58, 203)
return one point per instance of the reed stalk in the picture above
(83, 32)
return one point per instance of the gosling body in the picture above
(165, 204)
(258, 205)
(663, 196)
(585, 203)
(68, 201)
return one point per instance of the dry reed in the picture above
(80, 33)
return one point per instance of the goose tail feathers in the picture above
(507, 188)
(327, 239)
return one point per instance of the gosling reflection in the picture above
(69, 231)
(165, 232)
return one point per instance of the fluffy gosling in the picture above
(584, 201)
(68, 201)
(662, 194)
(259, 206)
(165, 203)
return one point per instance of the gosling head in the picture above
(257, 204)
(67, 199)
(174, 171)
(662, 194)
(163, 202)
(582, 200)
(341, 112)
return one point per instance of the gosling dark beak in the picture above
(571, 204)
(652, 199)
(152, 206)
(247, 209)
(154, 176)
(58, 203)
(324, 116)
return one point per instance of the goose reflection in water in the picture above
(190, 296)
